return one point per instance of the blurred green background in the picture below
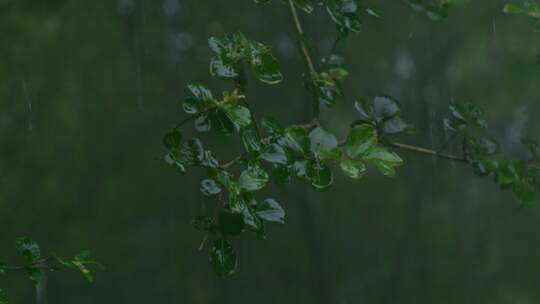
(87, 89)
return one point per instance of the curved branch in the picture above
(427, 152)
(307, 57)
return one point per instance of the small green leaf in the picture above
(319, 175)
(253, 178)
(191, 153)
(272, 126)
(275, 154)
(361, 140)
(384, 160)
(28, 249)
(322, 140)
(353, 168)
(172, 139)
(270, 210)
(296, 138)
(200, 92)
(239, 115)
(191, 106)
(221, 123)
(210, 188)
(345, 14)
(223, 259)
(251, 141)
(264, 64)
(227, 180)
(385, 107)
(304, 5)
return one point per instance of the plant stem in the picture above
(193, 116)
(254, 119)
(307, 57)
(428, 152)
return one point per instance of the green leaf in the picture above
(232, 52)
(304, 5)
(345, 14)
(203, 123)
(172, 139)
(353, 168)
(210, 188)
(322, 140)
(275, 154)
(383, 112)
(191, 153)
(319, 175)
(227, 180)
(239, 115)
(191, 106)
(28, 249)
(223, 259)
(272, 126)
(223, 70)
(251, 141)
(264, 64)
(464, 116)
(384, 160)
(253, 178)
(270, 210)
(385, 107)
(362, 140)
(84, 270)
(296, 138)
(201, 93)
(221, 123)
(299, 168)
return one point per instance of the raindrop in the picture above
(28, 104)
(494, 30)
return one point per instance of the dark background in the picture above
(87, 88)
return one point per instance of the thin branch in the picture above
(191, 117)
(254, 118)
(428, 152)
(307, 57)
(232, 162)
(41, 263)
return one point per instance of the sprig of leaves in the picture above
(35, 264)
(309, 152)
